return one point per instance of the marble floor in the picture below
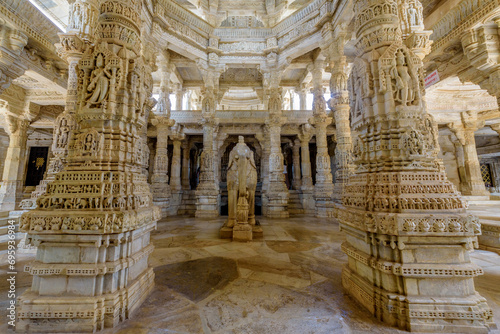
(288, 282)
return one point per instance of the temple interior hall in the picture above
(277, 166)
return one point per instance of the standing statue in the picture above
(241, 184)
(404, 81)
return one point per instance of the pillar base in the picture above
(48, 314)
(207, 205)
(9, 195)
(468, 314)
(412, 270)
(163, 205)
(175, 202)
(308, 202)
(241, 232)
(324, 208)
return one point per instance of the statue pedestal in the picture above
(241, 232)
(207, 205)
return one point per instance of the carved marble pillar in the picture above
(459, 154)
(98, 211)
(71, 48)
(175, 178)
(159, 180)
(179, 94)
(296, 183)
(207, 192)
(408, 235)
(263, 138)
(323, 189)
(302, 93)
(307, 188)
(185, 165)
(164, 106)
(339, 104)
(13, 172)
(464, 131)
(277, 192)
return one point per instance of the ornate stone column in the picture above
(459, 154)
(177, 137)
(98, 211)
(175, 181)
(263, 138)
(12, 179)
(73, 43)
(159, 180)
(464, 131)
(207, 192)
(164, 106)
(307, 188)
(185, 165)
(323, 189)
(179, 94)
(302, 93)
(277, 192)
(339, 104)
(296, 165)
(408, 235)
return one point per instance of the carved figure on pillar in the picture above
(241, 185)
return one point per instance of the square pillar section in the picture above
(408, 236)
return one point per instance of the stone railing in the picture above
(240, 116)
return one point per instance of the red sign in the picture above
(431, 79)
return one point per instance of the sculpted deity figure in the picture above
(76, 17)
(63, 134)
(412, 12)
(241, 184)
(99, 85)
(404, 82)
